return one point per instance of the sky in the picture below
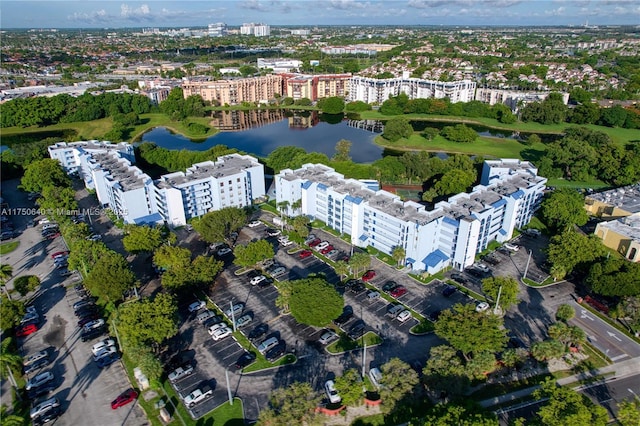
(155, 13)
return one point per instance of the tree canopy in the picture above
(471, 332)
(343, 150)
(293, 405)
(459, 133)
(110, 277)
(181, 271)
(567, 407)
(459, 415)
(306, 294)
(614, 277)
(26, 284)
(11, 312)
(563, 209)
(396, 129)
(331, 105)
(506, 286)
(217, 225)
(142, 238)
(42, 173)
(445, 371)
(572, 250)
(398, 381)
(253, 253)
(149, 321)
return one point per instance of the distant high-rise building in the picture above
(258, 30)
(218, 29)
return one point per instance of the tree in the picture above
(360, 261)
(565, 312)
(459, 415)
(398, 254)
(292, 405)
(149, 321)
(398, 381)
(563, 209)
(445, 371)
(506, 286)
(470, 331)
(459, 133)
(349, 386)
(304, 302)
(85, 254)
(565, 406)
(42, 173)
(217, 225)
(6, 272)
(533, 139)
(455, 181)
(342, 268)
(396, 129)
(482, 364)
(343, 148)
(513, 357)
(300, 224)
(569, 335)
(11, 312)
(614, 277)
(142, 238)
(253, 253)
(110, 277)
(331, 105)
(9, 357)
(571, 250)
(181, 271)
(546, 350)
(26, 284)
(629, 412)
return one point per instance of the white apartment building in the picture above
(257, 30)
(280, 65)
(514, 99)
(233, 180)
(373, 90)
(449, 235)
(218, 29)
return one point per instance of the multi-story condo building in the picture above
(233, 180)
(514, 99)
(235, 91)
(258, 30)
(218, 29)
(449, 235)
(314, 87)
(279, 65)
(373, 90)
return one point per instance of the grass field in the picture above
(9, 247)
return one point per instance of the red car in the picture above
(124, 398)
(26, 330)
(305, 253)
(59, 253)
(52, 236)
(398, 291)
(369, 275)
(327, 249)
(315, 242)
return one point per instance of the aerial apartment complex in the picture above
(231, 181)
(258, 30)
(449, 235)
(235, 91)
(314, 87)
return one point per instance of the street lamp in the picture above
(233, 316)
(226, 375)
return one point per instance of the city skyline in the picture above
(123, 14)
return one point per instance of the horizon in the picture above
(295, 13)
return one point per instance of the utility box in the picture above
(142, 380)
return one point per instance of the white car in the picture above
(482, 306)
(482, 267)
(322, 245)
(235, 309)
(404, 316)
(106, 351)
(285, 242)
(243, 321)
(39, 380)
(198, 396)
(43, 406)
(105, 343)
(257, 280)
(254, 224)
(221, 333)
(180, 372)
(327, 337)
(332, 393)
(94, 324)
(216, 327)
(511, 247)
(197, 305)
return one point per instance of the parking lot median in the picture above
(345, 343)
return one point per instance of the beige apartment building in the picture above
(314, 87)
(235, 91)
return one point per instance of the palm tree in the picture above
(283, 206)
(10, 419)
(6, 272)
(342, 268)
(297, 205)
(398, 254)
(9, 361)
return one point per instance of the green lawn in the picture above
(9, 247)
(261, 362)
(345, 343)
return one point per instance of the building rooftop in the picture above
(121, 171)
(224, 166)
(627, 226)
(91, 145)
(626, 198)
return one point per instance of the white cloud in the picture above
(347, 4)
(556, 12)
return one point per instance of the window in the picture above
(221, 184)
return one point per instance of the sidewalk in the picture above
(621, 369)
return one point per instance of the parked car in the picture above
(327, 249)
(511, 247)
(221, 333)
(532, 232)
(272, 232)
(375, 375)
(204, 316)
(58, 254)
(92, 334)
(104, 343)
(332, 393)
(389, 285)
(322, 246)
(456, 276)
(180, 373)
(398, 291)
(215, 327)
(267, 344)
(107, 360)
(244, 321)
(372, 295)
(44, 354)
(357, 329)
(124, 398)
(358, 287)
(254, 224)
(82, 303)
(198, 395)
(482, 267)
(257, 280)
(197, 305)
(105, 352)
(404, 316)
(280, 270)
(333, 253)
(93, 324)
(276, 352)
(26, 330)
(309, 238)
(223, 252)
(327, 337)
(258, 331)
(235, 309)
(265, 283)
(85, 319)
(347, 313)
(36, 365)
(39, 409)
(245, 360)
(315, 242)
(49, 415)
(393, 310)
(305, 253)
(448, 291)
(369, 275)
(482, 306)
(39, 380)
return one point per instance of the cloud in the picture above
(347, 4)
(468, 4)
(96, 17)
(258, 5)
(556, 12)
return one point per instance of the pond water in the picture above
(259, 134)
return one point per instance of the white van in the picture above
(267, 344)
(375, 375)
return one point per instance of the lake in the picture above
(260, 132)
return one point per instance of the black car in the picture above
(357, 288)
(459, 278)
(265, 283)
(448, 291)
(491, 260)
(47, 416)
(245, 359)
(40, 390)
(216, 319)
(433, 316)
(346, 315)
(252, 274)
(276, 352)
(92, 334)
(7, 235)
(86, 310)
(88, 318)
(357, 329)
(389, 286)
(475, 272)
(258, 331)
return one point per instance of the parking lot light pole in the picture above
(233, 316)
(526, 268)
(226, 375)
(495, 309)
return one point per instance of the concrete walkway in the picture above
(622, 369)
